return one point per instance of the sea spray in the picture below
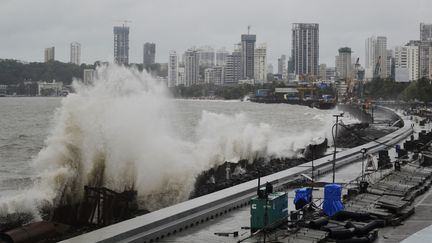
(118, 133)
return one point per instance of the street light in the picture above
(313, 148)
(363, 151)
(363, 184)
(334, 143)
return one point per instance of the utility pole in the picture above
(313, 147)
(363, 151)
(334, 144)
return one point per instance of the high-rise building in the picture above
(219, 74)
(282, 69)
(323, 72)
(181, 76)
(406, 63)
(191, 63)
(49, 54)
(425, 32)
(305, 48)
(75, 53)
(121, 45)
(390, 62)
(344, 64)
(173, 69)
(149, 53)
(206, 56)
(425, 59)
(381, 51)
(89, 76)
(208, 75)
(221, 56)
(260, 65)
(290, 65)
(233, 68)
(376, 57)
(214, 75)
(247, 55)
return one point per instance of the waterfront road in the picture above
(227, 210)
(235, 220)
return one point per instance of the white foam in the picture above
(118, 133)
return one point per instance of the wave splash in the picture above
(117, 133)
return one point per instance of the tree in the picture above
(15, 72)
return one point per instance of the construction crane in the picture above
(360, 83)
(357, 64)
(377, 69)
(352, 81)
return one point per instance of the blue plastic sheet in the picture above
(332, 199)
(304, 194)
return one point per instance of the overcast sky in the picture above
(28, 26)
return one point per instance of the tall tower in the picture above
(322, 72)
(406, 63)
(247, 55)
(344, 63)
(425, 32)
(233, 68)
(282, 69)
(49, 54)
(75, 53)
(173, 69)
(425, 59)
(191, 61)
(260, 64)
(121, 45)
(305, 48)
(376, 56)
(149, 53)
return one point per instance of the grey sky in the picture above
(28, 26)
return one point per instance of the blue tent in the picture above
(302, 197)
(303, 194)
(332, 199)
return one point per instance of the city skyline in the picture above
(93, 28)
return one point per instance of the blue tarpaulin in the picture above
(302, 197)
(303, 194)
(332, 199)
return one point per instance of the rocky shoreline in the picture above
(230, 174)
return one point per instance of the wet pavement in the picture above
(421, 219)
(240, 218)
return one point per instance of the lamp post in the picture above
(334, 144)
(312, 148)
(363, 151)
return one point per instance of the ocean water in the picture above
(125, 131)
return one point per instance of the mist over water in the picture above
(122, 133)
